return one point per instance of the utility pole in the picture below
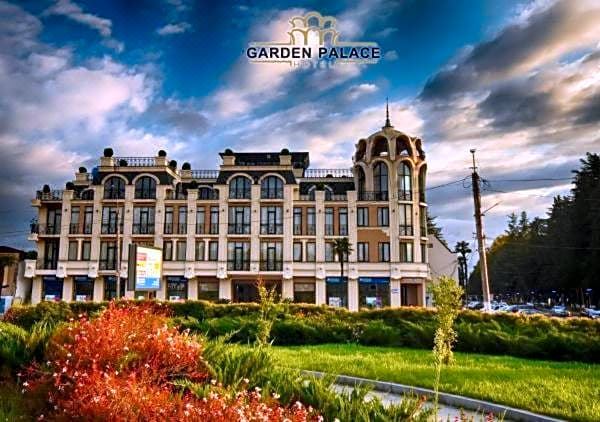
(118, 269)
(485, 284)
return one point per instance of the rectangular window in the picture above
(74, 226)
(329, 254)
(423, 220)
(297, 251)
(362, 251)
(343, 220)
(238, 256)
(108, 255)
(311, 221)
(86, 249)
(271, 220)
(383, 216)
(239, 220)
(54, 220)
(88, 220)
(199, 250)
(362, 216)
(177, 288)
(311, 252)
(181, 247)
(328, 221)
(168, 250)
(182, 220)
(214, 220)
(168, 220)
(405, 217)
(200, 220)
(110, 287)
(143, 220)
(424, 247)
(73, 250)
(297, 221)
(304, 293)
(83, 289)
(271, 256)
(110, 216)
(208, 291)
(406, 252)
(213, 250)
(384, 252)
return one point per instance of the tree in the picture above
(342, 248)
(462, 248)
(434, 229)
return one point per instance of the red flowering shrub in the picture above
(120, 366)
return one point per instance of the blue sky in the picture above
(518, 80)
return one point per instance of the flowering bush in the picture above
(124, 364)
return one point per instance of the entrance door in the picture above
(409, 295)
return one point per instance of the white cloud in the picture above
(174, 28)
(356, 91)
(74, 12)
(391, 56)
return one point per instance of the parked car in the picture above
(592, 313)
(529, 311)
(560, 311)
(474, 305)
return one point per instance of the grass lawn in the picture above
(566, 390)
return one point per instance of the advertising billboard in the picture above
(146, 263)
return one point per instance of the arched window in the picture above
(362, 180)
(207, 193)
(114, 188)
(180, 191)
(87, 195)
(422, 174)
(380, 147)
(360, 150)
(404, 182)
(271, 187)
(145, 188)
(239, 188)
(402, 146)
(380, 181)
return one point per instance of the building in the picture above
(260, 214)
(14, 284)
(442, 261)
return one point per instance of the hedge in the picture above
(298, 324)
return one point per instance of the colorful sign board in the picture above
(148, 268)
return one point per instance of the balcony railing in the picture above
(205, 174)
(50, 229)
(46, 264)
(271, 194)
(214, 228)
(271, 265)
(238, 228)
(168, 228)
(110, 228)
(297, 229)
(274, 228)
(311, 229)
(145, 194)
(406, 230)
(53, 195)
(343, 230)
(328, 229)
(373, 196)
(85, 195)
(200, 227)
(336, 197)
(324, 173)
(136, 161)
(307, 197)
(107, 264)
(77, 228)
(208, 194)
(404, 195)
(240, 194)
(175, 195)
(142, 228)
(114, 194)
(238, 265)
(182, 228)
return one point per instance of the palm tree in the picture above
(342, 247)
(462, 248)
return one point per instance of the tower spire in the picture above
(387, 113)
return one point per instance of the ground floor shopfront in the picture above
(353, 293)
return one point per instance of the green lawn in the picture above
(563, 389)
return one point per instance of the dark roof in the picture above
(288, 175)
(299, 159)
(338, 187)
(8, 249)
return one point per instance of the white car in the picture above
(592, 313)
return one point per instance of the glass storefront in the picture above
(373, 292)
(52, 288)
(409, 294)
(110, 287)
(83, 289)
(177, 288)
(337, 291)
(304, 293)
(208, 290)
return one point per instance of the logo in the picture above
(313, 42)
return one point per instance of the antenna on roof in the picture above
(387, 113)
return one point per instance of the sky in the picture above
(517, 80)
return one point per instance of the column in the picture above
(192, 289)
(395, 300)
(353, 294)
(320, 293)
(36, 290)
(63, 247)
(255, 226)
(225, 289)
(287, 289)
(99, 289)
(67, 293)
(320, 226)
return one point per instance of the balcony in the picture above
(297, 229)
(135, 161)
(343, 230)
(373, 196)
(406, 230)
(271, 194)
(327, 173)
(143, 228)
(307, 197)
(200, 228)
(207, 194)
(328, 229)
(176, 195)
(111, 228)
(205, 174)
(168, 228)
(53, 195)
(272, 228)
(114, 193)
(238, 228)
(240, 194)
(107, 264)
(404, 195)
(271, 265)
(77, 228)
(311, 229)
(48, 229)
(336, 197)
(214, 228)
(238, 265)
(46, 264)
(182, 228)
